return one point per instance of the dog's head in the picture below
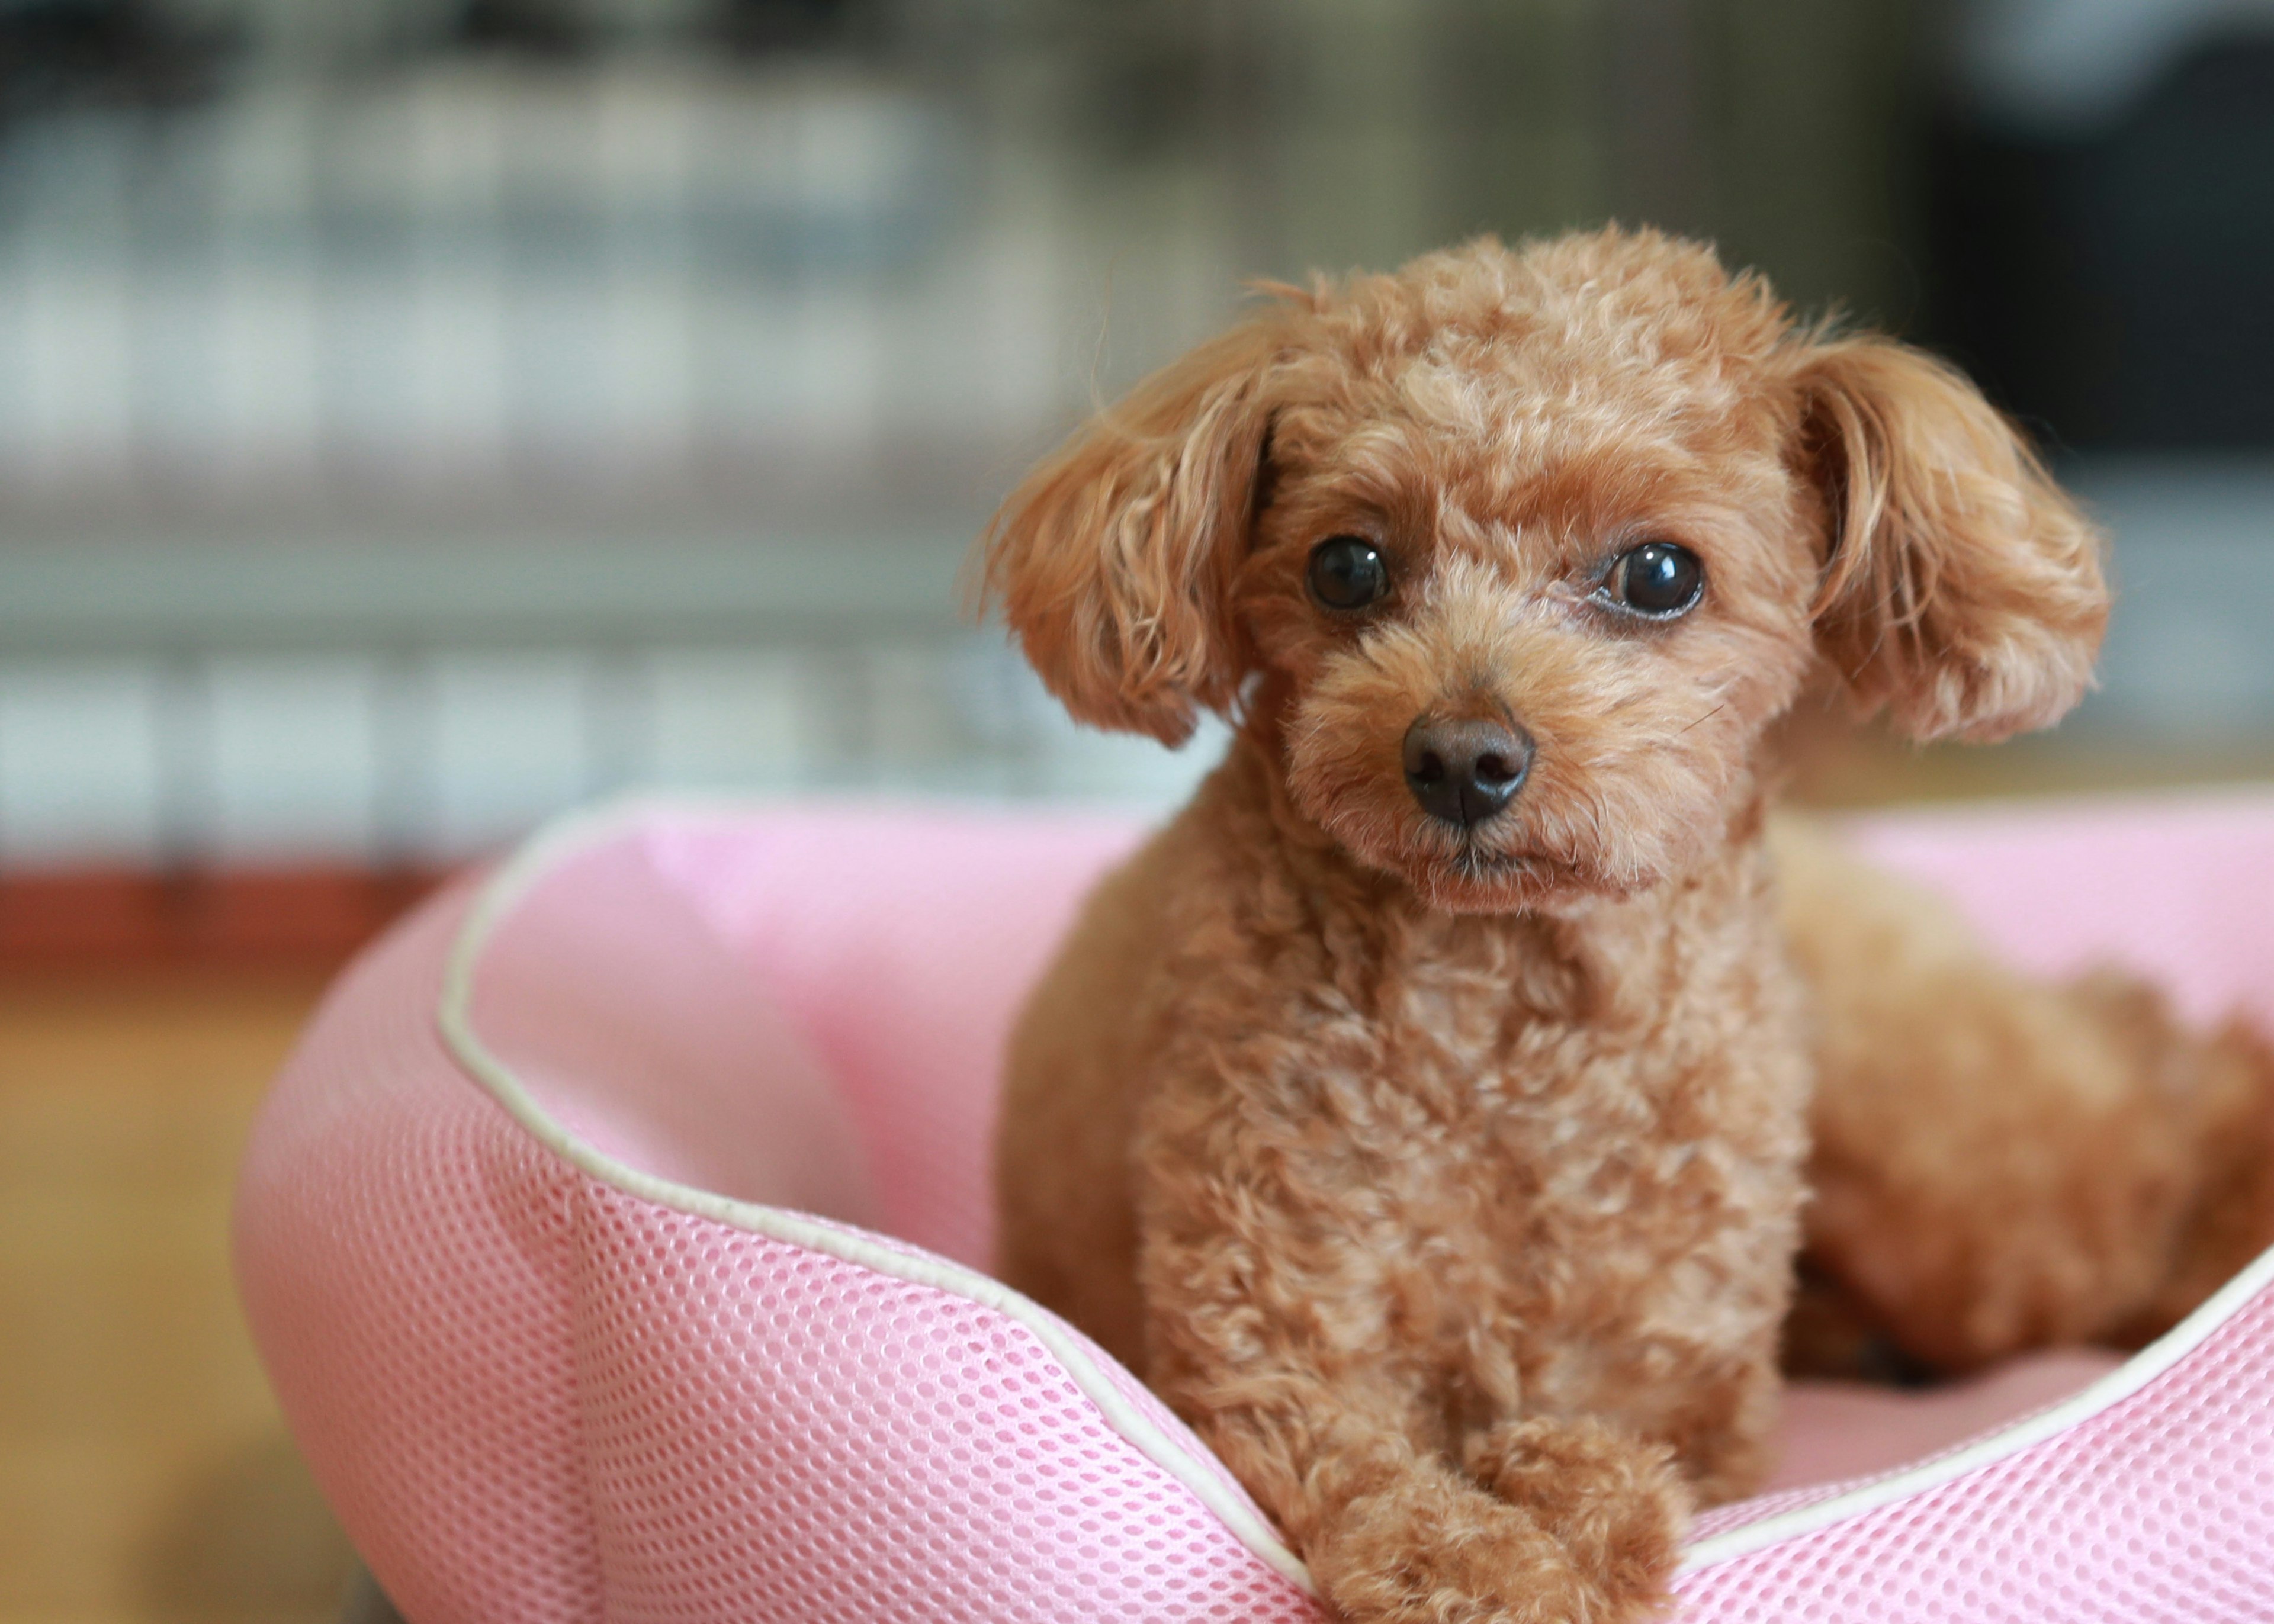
(1515, 554)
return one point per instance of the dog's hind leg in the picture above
(2003, 1163)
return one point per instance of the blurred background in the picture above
(418, 416)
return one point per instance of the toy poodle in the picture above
(1424, 1112)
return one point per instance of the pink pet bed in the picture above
(613, 1242)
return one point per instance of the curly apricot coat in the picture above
(1448, 1174)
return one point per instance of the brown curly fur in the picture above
(1451, 1185)
(2001, 1164)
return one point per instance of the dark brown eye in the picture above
(1347, 572)
(1657, 579)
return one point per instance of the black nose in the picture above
(1464, 773)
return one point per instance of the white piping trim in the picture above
(497, 899)
(2118, 1384)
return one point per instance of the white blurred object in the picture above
(384, 756)
(2067, 67)
(456, 282)
(2187, 656)
(444, 275)
(81, 763)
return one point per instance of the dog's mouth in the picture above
(1472, 859)
(1475, 876)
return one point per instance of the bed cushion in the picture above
(613, 1242)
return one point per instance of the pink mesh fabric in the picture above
(404, 1256)
(531, 1393)
(555, 1349)
(787, 1437)
(2157, 1508)
(899, 946)
(2177, 890)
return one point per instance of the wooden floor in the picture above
(144, 1473)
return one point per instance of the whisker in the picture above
(1708, 716)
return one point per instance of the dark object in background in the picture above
(56, 54)
(756, 27)
(564, 29)
(529, 27)
(2115, 286)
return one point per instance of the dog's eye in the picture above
(1657, 579)
(1347, 572)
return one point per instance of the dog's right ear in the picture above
(1113, 560)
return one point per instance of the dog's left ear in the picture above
(1113, 560)
(1962, 590)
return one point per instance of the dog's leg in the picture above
(1279, 1342)
(2002, 1163)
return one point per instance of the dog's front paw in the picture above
(1615, 1505)
(1572, 1525)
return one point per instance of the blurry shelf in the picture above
(102, 594)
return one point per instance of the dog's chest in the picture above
(1611, 1145)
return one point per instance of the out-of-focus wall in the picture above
(414, 417)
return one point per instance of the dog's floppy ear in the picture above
(1962, 590)
(1113, 560)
